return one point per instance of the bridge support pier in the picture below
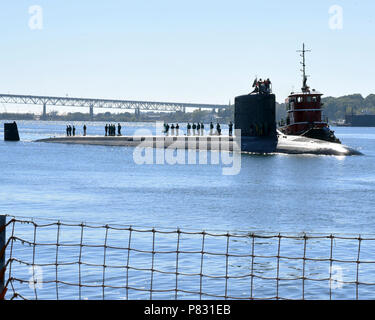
(91, 112)
(137, 113)
(44, 115)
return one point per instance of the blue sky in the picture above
(189, 51)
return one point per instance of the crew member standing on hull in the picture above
(119, 129)
(177, 129)
(172, 129)
(211, 128)
(218, 129)
(84, 130)
(202, 129)
(230, 128)
(167, 129)
(106, 129)
(188, 129)
(194, 127)
(199, 129)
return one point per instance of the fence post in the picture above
(2, 255)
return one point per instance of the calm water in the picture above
(274, 193)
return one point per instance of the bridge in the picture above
(103, 103)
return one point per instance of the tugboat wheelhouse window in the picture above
(290, 106)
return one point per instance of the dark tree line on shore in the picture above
(17, 116)
(195, 116)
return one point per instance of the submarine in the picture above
(303, 132)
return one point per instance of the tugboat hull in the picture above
(322, 134)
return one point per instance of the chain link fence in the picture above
(63, 260)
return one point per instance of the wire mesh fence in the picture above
(63, 260)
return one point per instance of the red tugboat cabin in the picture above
(304, 112)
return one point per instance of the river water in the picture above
(287, 194)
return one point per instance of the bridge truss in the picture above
(103, 103)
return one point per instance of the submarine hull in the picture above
(305, 145)
(257, 145)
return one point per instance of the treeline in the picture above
(336, 108)
(224, 115)
(17, 116)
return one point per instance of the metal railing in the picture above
(69, 260)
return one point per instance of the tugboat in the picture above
(304, 110)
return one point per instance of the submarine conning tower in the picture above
(255, 116)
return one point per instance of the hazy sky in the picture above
(188, 51)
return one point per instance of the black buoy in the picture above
(11, 132)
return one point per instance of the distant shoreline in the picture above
(335, 108)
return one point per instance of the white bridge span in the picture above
(103, 103)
